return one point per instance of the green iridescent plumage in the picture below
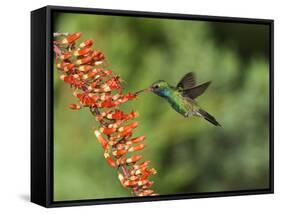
(181, 98)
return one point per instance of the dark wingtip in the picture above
(214, 122)
(218, 124)
(209, 117)
(207, 84)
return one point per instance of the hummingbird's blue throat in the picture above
(165, 92)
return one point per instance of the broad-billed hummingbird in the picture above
(182, 97)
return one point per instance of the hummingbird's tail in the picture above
(208, 117)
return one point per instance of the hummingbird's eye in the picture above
(156, 86)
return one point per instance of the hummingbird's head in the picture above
(160, 88)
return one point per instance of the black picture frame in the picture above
(42, 105)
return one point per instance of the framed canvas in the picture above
(134, 106)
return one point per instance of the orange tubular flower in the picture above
(100, 90)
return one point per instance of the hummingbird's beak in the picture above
(144, 90)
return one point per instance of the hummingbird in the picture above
(182, 97)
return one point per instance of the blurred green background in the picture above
(190, 155)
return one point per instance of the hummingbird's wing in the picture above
(187, 81)
(196, 91)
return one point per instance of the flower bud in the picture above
(71, 38)
(86, 43)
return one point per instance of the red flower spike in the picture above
(96, 89)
